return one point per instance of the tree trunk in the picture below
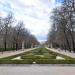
(5, 45)
(16, 46)
(73, 43)
(68, 45)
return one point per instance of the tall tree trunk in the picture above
(5, 45)
(73, 43)
(16, 46)
(67, 42)
(5, 37)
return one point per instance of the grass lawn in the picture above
(38, 56)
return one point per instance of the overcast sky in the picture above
(34, 13)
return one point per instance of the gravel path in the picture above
(36, 70)
(10, 53)
(63, 52)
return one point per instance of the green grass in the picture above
(40, 56)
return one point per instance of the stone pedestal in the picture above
(51, 46)
(23, 45)
(32, 46)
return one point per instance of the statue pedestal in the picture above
(23, 45)
(32, 46)
(51, 46)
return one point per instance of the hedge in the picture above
(54, 61)
(38, 61)
(30, 57)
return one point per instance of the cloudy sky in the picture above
(34, 13)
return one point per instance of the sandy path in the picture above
(63, 52)
(10, 53)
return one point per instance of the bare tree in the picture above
(7, 22)
(64, 21)
(11, 37)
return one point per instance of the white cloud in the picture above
(34, 13)
(2, 14)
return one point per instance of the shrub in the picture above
(50, 56)
(27, 61)
(54, 61)
(27, 56)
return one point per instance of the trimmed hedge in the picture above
(38, 61)
(32, 56)
(61, 55)
(26, 61)
(54, 61)
(27, 57)
(35, 57)
(50, 56)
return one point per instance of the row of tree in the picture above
(62, 33)
(13, 33)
